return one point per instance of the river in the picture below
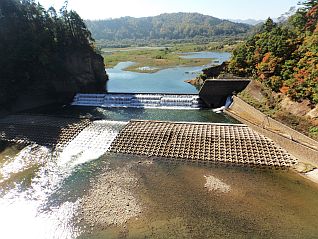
(169, 80)
(84, 192)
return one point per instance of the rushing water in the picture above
(32, 184)
(169, 80)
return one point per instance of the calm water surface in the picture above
(169, 80)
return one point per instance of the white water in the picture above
(22, 210)
(139, 101)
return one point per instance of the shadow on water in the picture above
(44, 130)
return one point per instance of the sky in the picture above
(224, 9)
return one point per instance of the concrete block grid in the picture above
(237, 144)
(44, 130)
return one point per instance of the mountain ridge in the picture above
(167, 26)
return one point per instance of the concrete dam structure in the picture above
(236, 144)
(212, 94)
(199, 142)
(129, 100)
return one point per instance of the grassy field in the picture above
(152, 59)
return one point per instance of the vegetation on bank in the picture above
(151, 60)
(34, 46)
(157, 58)
(284, 56)
(220, 41)
(264, 99)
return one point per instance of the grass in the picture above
(157, 58)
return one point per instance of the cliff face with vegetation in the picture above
(46, 56)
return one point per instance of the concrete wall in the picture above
(302, 147)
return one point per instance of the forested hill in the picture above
(45, 55)
(168, 26)
(284, 56)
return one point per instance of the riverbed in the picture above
(122, 196)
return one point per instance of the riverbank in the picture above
(300, 116)
(300, 146)
(151, 60)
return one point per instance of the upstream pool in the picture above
(169, 80)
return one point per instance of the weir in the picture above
(129, 100)
(202, 142)
(237, 144)
(212, 94)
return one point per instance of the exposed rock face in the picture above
(295, 108)
(313, 113)
(85, 74)
(88, 73)
(213, 72)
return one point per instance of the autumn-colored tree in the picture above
(284, 56)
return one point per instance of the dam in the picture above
(128, 100)
(201, 142)
(87, 176)
(236, 144)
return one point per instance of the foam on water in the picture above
(25, 212)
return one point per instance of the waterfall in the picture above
(26, 211)
(139, 100)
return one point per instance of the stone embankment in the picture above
(298, 145)
(200, 142)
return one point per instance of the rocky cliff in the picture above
(84, 72)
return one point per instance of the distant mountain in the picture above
(168, 26)
(252, 22)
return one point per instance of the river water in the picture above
(81, 194)
(169, 80)
(82, 191)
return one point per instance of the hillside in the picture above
(46, 56)
(168, 26)
(283, 58)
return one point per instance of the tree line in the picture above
(168, 26)
(284, 56)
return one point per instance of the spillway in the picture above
(127, 100)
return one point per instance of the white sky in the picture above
(225, 9)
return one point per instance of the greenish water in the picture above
(83, 193)
(175, 203)
(126, 114)
(172, 196)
